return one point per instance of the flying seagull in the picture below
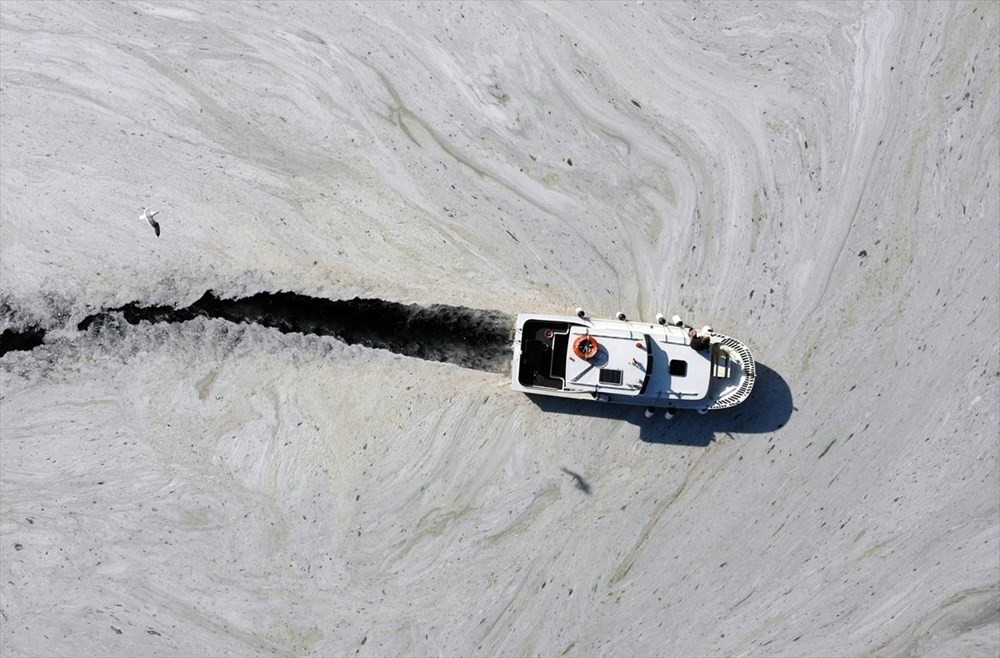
(148, 216)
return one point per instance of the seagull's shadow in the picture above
(766, 410)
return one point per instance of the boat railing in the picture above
(741, 392)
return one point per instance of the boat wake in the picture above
(471, 338)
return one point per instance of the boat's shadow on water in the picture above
(766, 410)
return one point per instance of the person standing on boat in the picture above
(699, 343)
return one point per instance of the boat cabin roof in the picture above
(638, 360)
(620, 362)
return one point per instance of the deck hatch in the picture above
(678, 368)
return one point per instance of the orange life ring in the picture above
(586, 347)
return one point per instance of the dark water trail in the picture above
(13, 341)
(471, 338)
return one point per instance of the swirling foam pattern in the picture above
(817, 180)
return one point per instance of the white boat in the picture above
(657, 366)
